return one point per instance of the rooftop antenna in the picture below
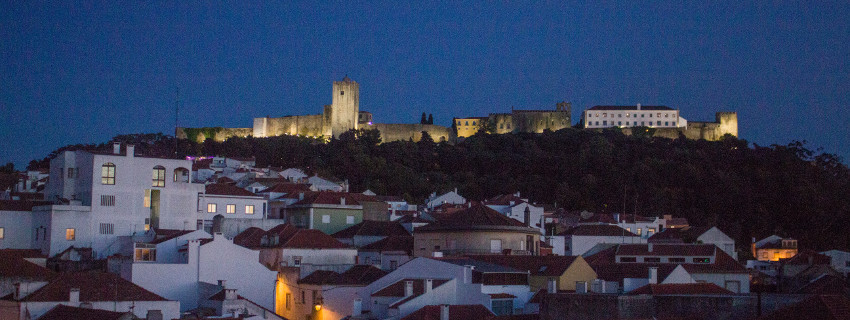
(176, 116)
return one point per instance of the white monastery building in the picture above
(632, 116)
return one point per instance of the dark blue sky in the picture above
(82, 73)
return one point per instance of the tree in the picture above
(430, 118)
(8, 168)
(486, 126)
(424, 119)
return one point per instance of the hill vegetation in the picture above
(746, 191)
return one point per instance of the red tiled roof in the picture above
(14, 265)
(686, 250)
(605, 218)
(723, 263)
(826, 284)
(170, 235)
(94, 286)
(432, 312)
(606, 267)
(802, 258)
(411, 219)
(679, 235)
(372, 228)
(359, 275)
(396, 289)
(287, 188)
(822, 307)
(535, 265)
(225, 180)
(680, 288)
(477, 217)
(334, 198)
(391, 243)
(598, 230)
(228, 190)
(21, 205)
(288, 236)
(538, 296)
(505, 200)
(63, 312)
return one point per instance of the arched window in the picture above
(158, 176)
(107, 173)
(181, 175)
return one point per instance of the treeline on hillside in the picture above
(746, 191)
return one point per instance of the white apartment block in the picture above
(632, 116)
(104, 196)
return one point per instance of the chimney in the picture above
(649, 247)
(455, 189)
(358, 307)
(467, 274)
(131, 151)
(638, 106)
(342, 200)
(527, 216)
(74, 297)
(668, 217)
(301, 196)
(154, 315)
(408, 288)
(653, 275)
(116, 148)
(581, 286)
(222, 283)
(429, 285)
(230, 294)
(444, 312)
(553, 286)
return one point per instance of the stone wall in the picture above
(538, 121)
(309, 125)
(215, 133)
(397, 132)
(726, 122)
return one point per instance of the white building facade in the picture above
(633, 116)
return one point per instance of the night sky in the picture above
(83, 73)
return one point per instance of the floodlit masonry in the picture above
(344, 114)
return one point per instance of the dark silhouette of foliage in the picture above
(747, 191)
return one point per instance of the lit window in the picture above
(107, 174)
(181, 175)
(639, 231)
(702, 260)
(326, 218)
(231, 208)
(658, 115)
(147, 198)
(70, 234)
(145, 252)
(249, 209)
(147, 224)
(158, 176)
(211, 207)
(2, 233)
(349, 220)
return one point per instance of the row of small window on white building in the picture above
(230, 208)
(628, 115)
(635, 123)
(107, 175)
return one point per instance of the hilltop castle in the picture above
(344, 114)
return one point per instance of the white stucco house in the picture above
(512, 205)
(691, 234)
(840, 260)
(451, 197)
(103, 196)
(580, 239)
(206, 262)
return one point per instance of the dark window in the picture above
(628, 259)
(702, 260)
(652, 259)
(342, 93)
(676, 260)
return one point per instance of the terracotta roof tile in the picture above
(686, 250)
(505, 200)
(14, 265)
(334, 198)
(598, 230)
(372, 228)
(359, 275)
(476, 217)
(63, 312)
(21, 205)
(396, 289)
(432, 312)
(680, 288)
(287, 188)
(535, 265)
(803, 257)
(228, 190)
(94, 286)
(825, 307)
(288, 236)
(391, 243)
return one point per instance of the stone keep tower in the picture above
(345, 106)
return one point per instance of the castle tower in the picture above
(345, 106)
